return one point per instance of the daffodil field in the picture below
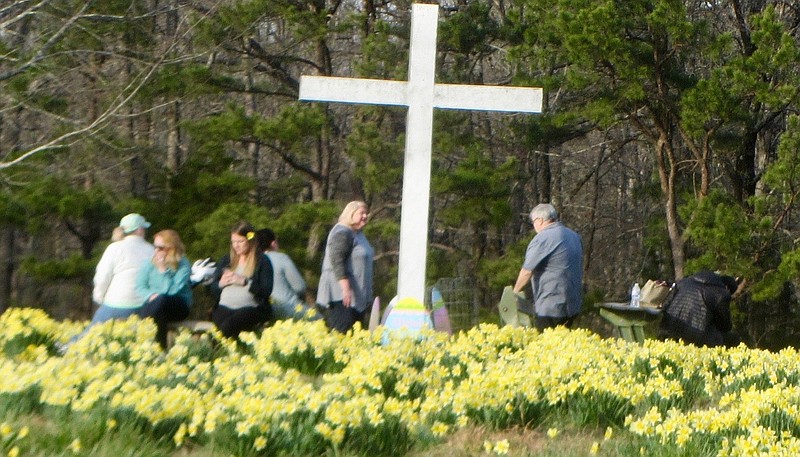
(297, 389)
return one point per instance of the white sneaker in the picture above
(61, 348)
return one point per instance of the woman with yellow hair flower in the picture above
(242, 285)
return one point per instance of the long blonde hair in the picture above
(246, 230)
(349, 210)
(175, 248)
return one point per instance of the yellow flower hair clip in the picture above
(250, 235)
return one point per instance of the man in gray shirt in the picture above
(554, 266)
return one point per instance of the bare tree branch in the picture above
(121, 100)
(41, 54)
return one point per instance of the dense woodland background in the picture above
(669, 139)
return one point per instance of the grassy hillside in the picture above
(297, 389)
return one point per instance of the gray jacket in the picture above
(349, 255)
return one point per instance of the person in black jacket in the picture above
(698, 311)
(242, 285)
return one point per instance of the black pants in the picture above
(342, 318)
(543, 322)
(233, 321)
(164, 309)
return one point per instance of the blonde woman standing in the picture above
(164, 284)
(345, 285)
(242, 285)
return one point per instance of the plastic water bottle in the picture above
(635, 295)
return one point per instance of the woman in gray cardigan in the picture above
(345, 285)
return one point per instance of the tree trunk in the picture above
(544, 178)
(253, 150)
(591, 230)
(744, 175)
(173, 138)
(544, 187)
(10, 139)
(667, 169)
(7, 271)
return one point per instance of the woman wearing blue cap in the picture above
(115, 275)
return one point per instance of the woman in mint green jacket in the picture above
(163, 284)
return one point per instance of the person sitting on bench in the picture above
(698, 311)
(242, 285)
(164, 284)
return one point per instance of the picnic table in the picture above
(631, 324)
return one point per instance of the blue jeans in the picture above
(104, 313)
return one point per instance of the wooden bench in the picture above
(631, 324)
(514, 310)
(194, 326)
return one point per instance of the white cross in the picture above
(420, 94)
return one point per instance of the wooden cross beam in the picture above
(421, 95)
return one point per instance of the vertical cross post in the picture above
(421, 95)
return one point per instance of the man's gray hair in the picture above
(545, 212)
